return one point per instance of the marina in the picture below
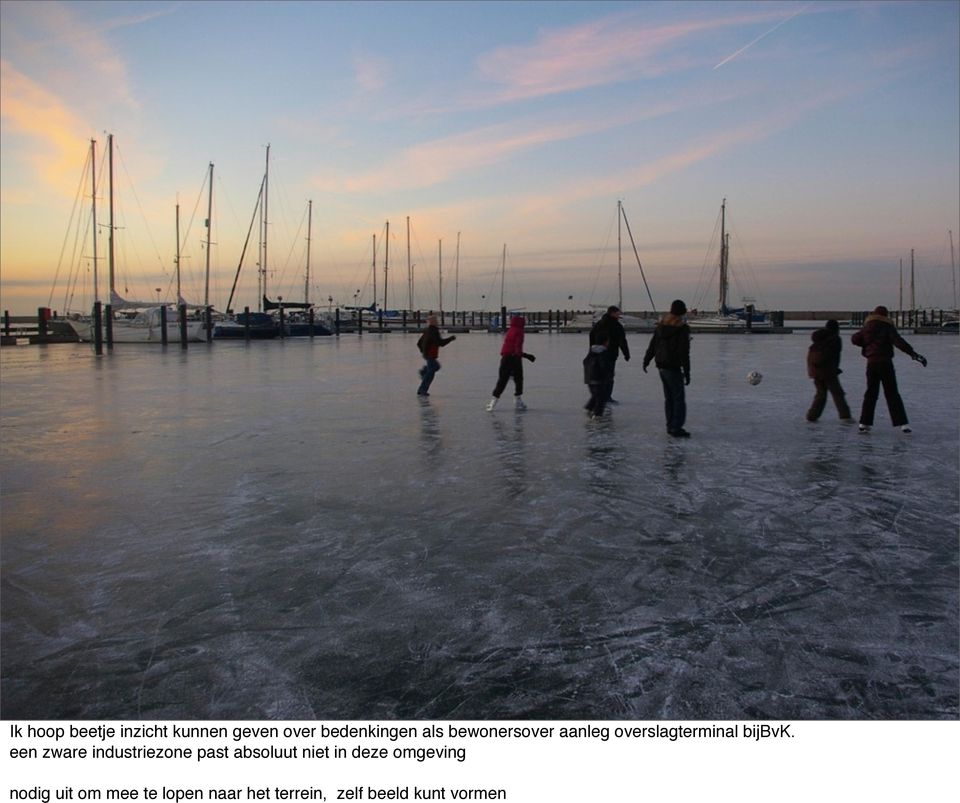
(283, 530)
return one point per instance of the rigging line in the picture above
(637, 255)
(193, 215)
(704, 282)
(66, 235)
(136, 197)
(600, 263)
(749, 283)
(184, 251)
(293, 244)
(246, 242)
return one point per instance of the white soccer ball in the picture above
(754, 377)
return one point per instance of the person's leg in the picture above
(502, 377)
(839, 398)
(819, 400)
(429, 371)
(517, 363)
(898, 413)
(870, 395)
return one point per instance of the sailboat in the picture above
(298, 323)
(134, 321)
(727, 317)
(258, 325)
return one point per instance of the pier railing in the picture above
(46, 327)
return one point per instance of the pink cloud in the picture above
(53, 130)
(616, 48)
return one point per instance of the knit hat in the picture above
(678, 308)
(832, 325)
(881, 310)
(612, 309)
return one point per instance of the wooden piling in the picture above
(97, 330)
(163, 325)
(182, 311)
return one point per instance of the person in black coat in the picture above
(877, 339)
(670, 348)
(609, 332)
(823, 367)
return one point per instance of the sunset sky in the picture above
(831, 128)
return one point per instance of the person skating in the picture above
(430, 343)
(877, 339)
(512, 356)
(823, 367)
(609, 332)
(670, 349)
(596, 374)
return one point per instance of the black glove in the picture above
(626, 358)
(645, 367)
(920, 359)
(686, 379)
(529, 357)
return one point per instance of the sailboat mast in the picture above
(953, 270)
(409, 270)
(306, 278)
(93, 208)
(386, 263)
(374, 267)
(263, 234)
(724, 256)
(900, 307)
(440, 272)
(206, 281)
(503, 271)
(619, 255)
(176, 259)
(456, 280)
(913, 287)
(110, 240)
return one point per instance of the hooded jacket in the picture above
(877, 339)
(609, 332)
(513, 340)
(670, 345)
(823, 356)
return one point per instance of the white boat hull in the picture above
(132, 332)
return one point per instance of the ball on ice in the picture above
(754, 377)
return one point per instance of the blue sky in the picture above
(830, 127)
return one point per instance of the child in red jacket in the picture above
(512, 356)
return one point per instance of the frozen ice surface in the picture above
(284, 530)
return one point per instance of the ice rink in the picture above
(283, 529)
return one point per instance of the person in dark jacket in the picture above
(670, 349)
(512, 356)
(823, 367)
(430, 344)
(608, 332)
(596, 375)
(877, 339)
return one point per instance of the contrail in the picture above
(751, 44)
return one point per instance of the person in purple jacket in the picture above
(877, 339)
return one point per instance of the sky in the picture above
(506, 133)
